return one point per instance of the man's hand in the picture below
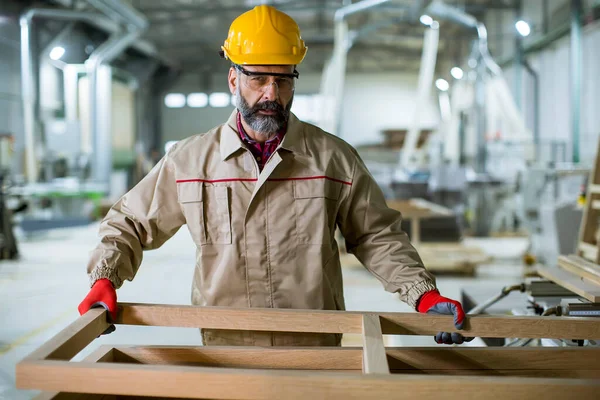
(433, 303)
(102, 294)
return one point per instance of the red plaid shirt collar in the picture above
(261, 151)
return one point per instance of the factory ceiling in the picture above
(391, 39)
(189, 33)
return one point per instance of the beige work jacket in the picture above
(264, 239)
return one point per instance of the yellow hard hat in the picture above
(264, 36)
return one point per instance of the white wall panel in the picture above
(371, 103)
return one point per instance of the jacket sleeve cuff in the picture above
(413, 294)
(104, 271)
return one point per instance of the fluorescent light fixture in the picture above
(219, 99)
(175, 100)
(426, 20)
(523, 28)
(197, 100)
(442, 84)
(457, 73)
(57, 52)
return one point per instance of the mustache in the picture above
(268, 105)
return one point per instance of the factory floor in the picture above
(39, 293)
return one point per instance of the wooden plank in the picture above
(493, 359)
(493, 326)
(433, 207)
(419, 208)
(256, 319)
(219, 383)
(286, 320)
(572, 282)
(594, 189)
(74, 338)
(320, 358)
(374, 358)
(529, 373)
(589, 250)
(101, 354)
(580, 267)
(582, 263)
(350, 358)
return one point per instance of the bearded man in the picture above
(262, 195)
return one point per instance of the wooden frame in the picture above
(332, 373)
(589, 242)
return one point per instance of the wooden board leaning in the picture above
(372, 371)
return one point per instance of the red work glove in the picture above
(433, 303)
(102, 294)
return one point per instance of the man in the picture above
(262, 195)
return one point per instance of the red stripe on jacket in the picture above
(304, 178)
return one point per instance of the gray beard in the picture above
(266, 126)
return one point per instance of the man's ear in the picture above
(232, 79)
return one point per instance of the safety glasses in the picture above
(260, 81)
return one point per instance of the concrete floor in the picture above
(39, 294)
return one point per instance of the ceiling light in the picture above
(523, 28)
(442, 84)
(219, 100)
(426, 20)
(57, 52)
(197, 100)
(175, 100)
(457, 73)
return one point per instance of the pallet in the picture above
(372, 371)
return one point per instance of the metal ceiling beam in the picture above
(292, 5)
(198, 13)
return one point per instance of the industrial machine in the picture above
(547, 203)
(538, 297)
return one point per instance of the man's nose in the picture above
(271, 92)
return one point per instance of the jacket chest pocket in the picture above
(315, 204)
(207, 212)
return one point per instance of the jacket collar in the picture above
(230, 140)
(293, 140)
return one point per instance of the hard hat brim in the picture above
(265, 59)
